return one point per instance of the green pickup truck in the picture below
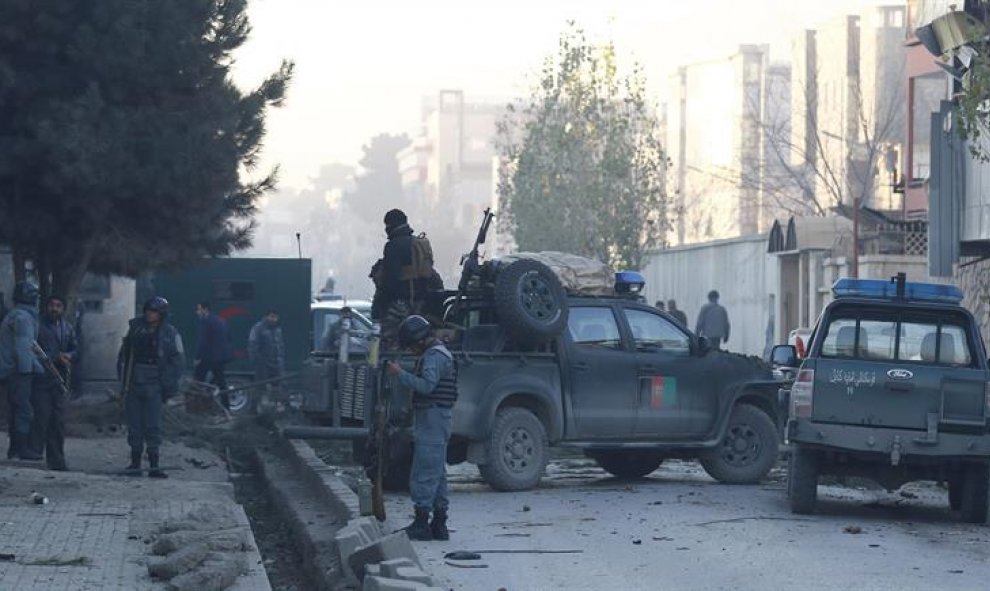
(894, 388)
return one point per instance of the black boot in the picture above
(24, 451)
(438, 527)
(134, 469)
(420, 528)
(153, 470)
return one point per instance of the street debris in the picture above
(59, 561)
(39, 499)
(852, 529)
(526, 508)
(462, 555)
(637, 542)
(754, 518)
(454, 564)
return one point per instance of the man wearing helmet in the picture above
(150, 363)
(19, 365)
(434, 387)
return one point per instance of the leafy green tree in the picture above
(124, 145)
(583, 168)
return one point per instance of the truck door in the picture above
(669, 392)
(602, 374)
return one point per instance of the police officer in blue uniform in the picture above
(150, 361)
(434, 387)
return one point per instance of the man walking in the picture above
(57, 339)
(677, 313)
(150, 362)
(212, 350)
(265, 348)
(434, 386)
(18, 367)
(713, 322)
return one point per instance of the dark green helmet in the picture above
(412, 330)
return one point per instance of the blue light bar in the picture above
(887, 290)
(629, 282)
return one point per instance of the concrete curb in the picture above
(366, 557)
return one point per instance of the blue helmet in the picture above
(26, 292)
(157, 304)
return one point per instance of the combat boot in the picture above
(24, 451)
(153, 470)
(438, 527)
(420, 528)
(134, 469)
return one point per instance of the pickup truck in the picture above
(894, 388)
(623, 381)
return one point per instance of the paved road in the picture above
(678, 529)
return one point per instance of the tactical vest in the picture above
(446, 391)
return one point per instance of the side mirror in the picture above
(784, 356)
(703, 346)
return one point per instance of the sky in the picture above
(364, 67)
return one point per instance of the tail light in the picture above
(799, 345)
(802, 392)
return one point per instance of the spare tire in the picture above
(530, 302)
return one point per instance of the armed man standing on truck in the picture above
(434, 386)
(18, 367)
(150, 364)
(404, 274)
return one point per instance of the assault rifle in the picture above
(470, 267)
(49, 366)
(377, 440)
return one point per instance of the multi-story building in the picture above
(715, 128)
(447, 172)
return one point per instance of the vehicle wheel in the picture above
(243, 401)
(627, 463)
(974, 495)
(518, 451)
(802, 480)
(955, 485)
(530, 302)
(747, 452)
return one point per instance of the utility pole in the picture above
(854, 266)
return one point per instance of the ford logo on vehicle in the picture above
(900, 374)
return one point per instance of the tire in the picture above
(530, 302)
(955, 485)
(747, 452)
(627, 464)
(243, 400)
(974, 494)
(802, 481)
(518, 451)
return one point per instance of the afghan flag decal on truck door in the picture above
(663, 391)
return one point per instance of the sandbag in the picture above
(579, 275)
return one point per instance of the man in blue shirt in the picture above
(434, 387)
(212, 350)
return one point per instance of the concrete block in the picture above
(369, 525)
(386, 584)
(412, 573)
(388, 548)
(373, 570)
(389, 567)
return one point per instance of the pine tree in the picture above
(124, 144)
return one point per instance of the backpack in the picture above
(422, 259)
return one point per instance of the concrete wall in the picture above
(104, 324)
(740, 269)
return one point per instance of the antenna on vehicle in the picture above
(299, 243)
(899, 280)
